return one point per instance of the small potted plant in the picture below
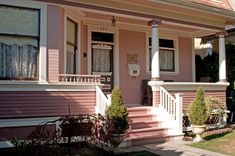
(117, 116)
(198, 113)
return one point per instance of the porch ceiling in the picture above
(182, 14)
(141, 22)
(209, 18)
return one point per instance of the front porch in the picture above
(84, 46)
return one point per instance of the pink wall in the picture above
(16, 104)
(55, 44)
(131, 42)
(185, 62)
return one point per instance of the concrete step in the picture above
(146, 132)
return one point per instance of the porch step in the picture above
(144, 124)
(143, 140)
(146, 132)
(138, 110)
(146, 127)
(141, 117)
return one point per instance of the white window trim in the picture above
(69, 14)
(176, 53)
(42, 73)
(115, 32)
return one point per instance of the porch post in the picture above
(222, 59)
(155, 65)
(155, 82)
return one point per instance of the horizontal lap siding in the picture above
(46, 104)
(189, 96)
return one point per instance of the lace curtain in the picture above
(166, 58)
(18, 61)
(70, 59)
(101, 60)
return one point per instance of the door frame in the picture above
(115, 33)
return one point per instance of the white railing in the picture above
(173, 107)
(102, 102)
(74, 78)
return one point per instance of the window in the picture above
(166, 55)
(71, 46)
(19, 42)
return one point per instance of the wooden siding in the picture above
(55, 38)
(46, 104)
(189, 96)
(10, 133)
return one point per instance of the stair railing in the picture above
(102, 102)
(173, 107)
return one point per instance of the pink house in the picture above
(56, 55)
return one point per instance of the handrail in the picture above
(173, 106)
(75, 78)
(102, 102)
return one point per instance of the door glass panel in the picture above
(101, 60)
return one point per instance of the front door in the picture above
(102, 59)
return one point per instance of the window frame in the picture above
(176, 54)
(24, 36)
(42, 35)
(69, 15)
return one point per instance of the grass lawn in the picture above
(222, 143)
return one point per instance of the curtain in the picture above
(18, 61)
(166, 58)
(101, 60)
(71, 55)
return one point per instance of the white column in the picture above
(155, 64)
(222, 59)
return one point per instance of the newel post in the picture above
(155, 85)
(179, 111)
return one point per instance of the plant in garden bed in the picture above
(117, 116)
(218, 109)
(199, 112)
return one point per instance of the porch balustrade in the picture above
(74, 78)
(102, 102)
(173, 106)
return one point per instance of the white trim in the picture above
(115, 33)
(34, 86)
(69, 14)
(43, 32)
(176, 53)
(25, 121)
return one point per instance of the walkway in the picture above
(173, 148)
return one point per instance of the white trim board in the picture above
(25, 122)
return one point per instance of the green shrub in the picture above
(198, 111)
(117, 113)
